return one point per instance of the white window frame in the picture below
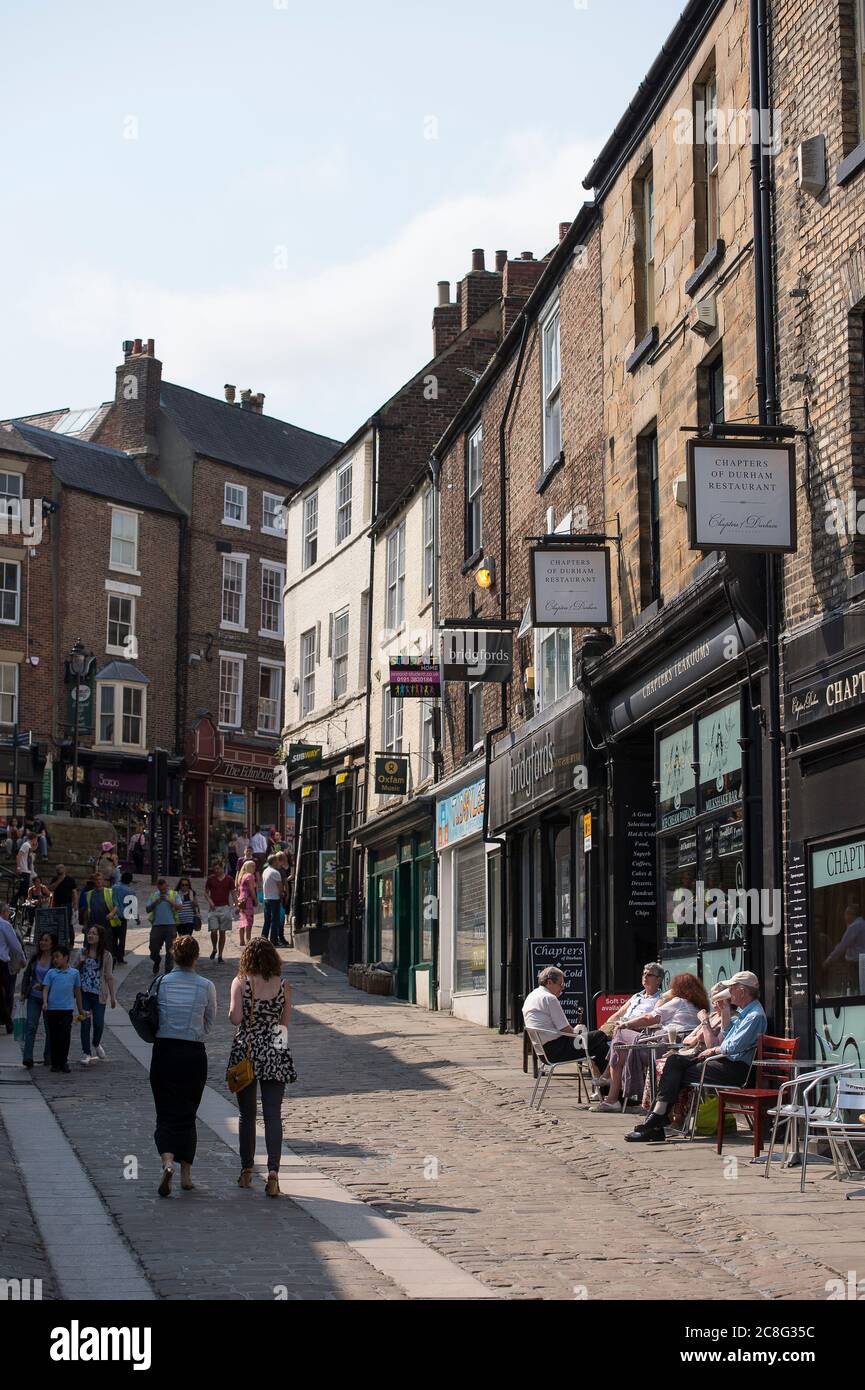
(427, 714)
(649, 245)
(713, 199)
(476, 705)
(551, 384)
(309, 534)
(9, 694)
(115, 564)
(339, 656)
(242, 561)
(343, 509)
(121, 649)
(395, 578)
(393, 722)
(307, 676)
(273, 567)
(427, 522)
(10, 502)
(264, 665)
(119, 689)
(239, 660)
(13, 622)
(543, 635)
(240, 523)
(475, 490)
(278, 530)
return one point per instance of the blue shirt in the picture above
(9, 941)
(739, 1041)
(641, 1003)
(163, 909)
(60, 987)
(187, 1005)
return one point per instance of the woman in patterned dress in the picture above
(247, 897)
(260, 1009)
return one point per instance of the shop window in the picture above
(339, 653)
(554, 664)
(310, 530)
(470, 932)
(562, 861)
(307, 671)
(230, 692)
(8, 693)
(343, 503)
(428, 916)
(234, 505)
(707, 218)
(838, 917)
(124, 540)
(396, 577)
(272, 581)
(552, 388)
(474, 493)
(269, 699)
(385, 917)
(678, 795)
(649, 502)
(720, 757)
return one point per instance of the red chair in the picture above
(754, 1101)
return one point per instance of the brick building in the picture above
(531, 431)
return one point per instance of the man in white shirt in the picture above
(258, 848)
(24, 864)
(544, 1014)
(271, 882)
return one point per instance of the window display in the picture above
(838, 915)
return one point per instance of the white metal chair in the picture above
(546, 1068)
(838, 1130)
(790, 1112)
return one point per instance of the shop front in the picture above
(229, 787)
(824, 719)
(401, 898)
(21, 778)
(468, 886)
(323, 903)
(548, 808)
(689, 843)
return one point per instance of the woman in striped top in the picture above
(186, 903)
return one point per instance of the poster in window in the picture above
(327, 875)
(676, 775)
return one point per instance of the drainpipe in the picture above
(356, 937)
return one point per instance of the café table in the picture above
(793, 1065)
(655, 1044)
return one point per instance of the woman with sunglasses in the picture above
(188, 915)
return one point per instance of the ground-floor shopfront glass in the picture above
(402, 907)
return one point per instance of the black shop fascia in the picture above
(824, 726)
(677, 705)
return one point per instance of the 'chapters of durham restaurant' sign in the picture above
(825, 696)
(741, 496)
(570, 586)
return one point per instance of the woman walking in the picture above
(188, 915)
(32, 980)
(261, 1007)
(247, 897)
(178, 1063)
(96, 968)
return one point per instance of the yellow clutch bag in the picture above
(242, 1073)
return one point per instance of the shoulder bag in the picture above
(144, 1014)
(242, 1073)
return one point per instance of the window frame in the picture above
(474, 518)
(859, 42)
(239, 661)
(124, 540)
(14, 695)
(706, 166)
(226, 624)
(266, 530)
(241, 524)
(474, 716)
(393, 714)
(16, 621)
(274, 567)
(6, 498)
(119, 690)
(551, 386)
(343, 508)
(309, 536)
(427, 726)
(118, 649)
(264, 665)
(428, 532)
(342, 656)
(395, 587)
(307, 677)
(542, 636)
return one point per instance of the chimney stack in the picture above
(446, 319)
(478, 259)
(258, 402)
(132, 422)
(478, 291)
(527, 256)
(444, 288)
(518, 281)
(501, 260)
(230, 393)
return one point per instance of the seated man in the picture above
(543, 1013)
(729, 1061)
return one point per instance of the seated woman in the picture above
(628, 1060)
(598, 1047)
(706, 1034)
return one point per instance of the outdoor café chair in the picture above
(546, 1068)
(789, 1112)
(754, 1101)
(839, 1130)
(698, 1088)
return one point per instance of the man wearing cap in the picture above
(728, 1063)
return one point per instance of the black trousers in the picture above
(684, 1071)
(271, 1108)
(562, 1049)
(178, 1075)
(58, 1025)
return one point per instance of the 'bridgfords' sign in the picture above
(538, 768)
(825, 696)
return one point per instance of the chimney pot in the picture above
(258, 402)
(230, 393)
(501, 260)
(478, 258)
(127, 346)
(444, 288)
(151, 347)
(136, 347)
(527, 255)
(246, 399)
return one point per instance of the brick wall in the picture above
(32, 635)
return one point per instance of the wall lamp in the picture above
(485, 574)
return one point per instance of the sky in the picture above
(271, 189)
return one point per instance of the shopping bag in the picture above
(19, 1020)
(707, 1119)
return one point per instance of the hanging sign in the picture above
(391, 774)
(570, 586)
(741, 496)
(477, 654)
(411, 678)
(303, 755)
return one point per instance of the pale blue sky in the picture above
(279, 218)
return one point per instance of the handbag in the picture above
(241, 1074)
(144, 1014)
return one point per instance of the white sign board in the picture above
(570, 586)
(741, 496)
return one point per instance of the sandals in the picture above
(245, 1179)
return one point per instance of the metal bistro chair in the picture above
(698, 1087)
(546, 1068)
(754, 1101)
(840, 1132)
(790, 1112)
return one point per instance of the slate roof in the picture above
(122, 671)
(259, 443)
(93, 468)
(11, 442)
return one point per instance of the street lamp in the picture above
(78, 663)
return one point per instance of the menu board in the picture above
(570, 956)
(797, 925)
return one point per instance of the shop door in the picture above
(404, 933)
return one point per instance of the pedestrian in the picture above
(126, 903)
(12, 959)
(258, 846)
(247, 899)
(13, 835)
(164, 915)
(63, 895)
(61, 993)
(178, 1063)
(107, 864)
(232, 855)
(241, 842)
(283, 863)
(97, 908)
(272, 888)
(220, 894)
(137, 848)
(24, 865)
(32, 981)
(38, 895)
(97, 988)
(189, 917)
(260, 1009)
